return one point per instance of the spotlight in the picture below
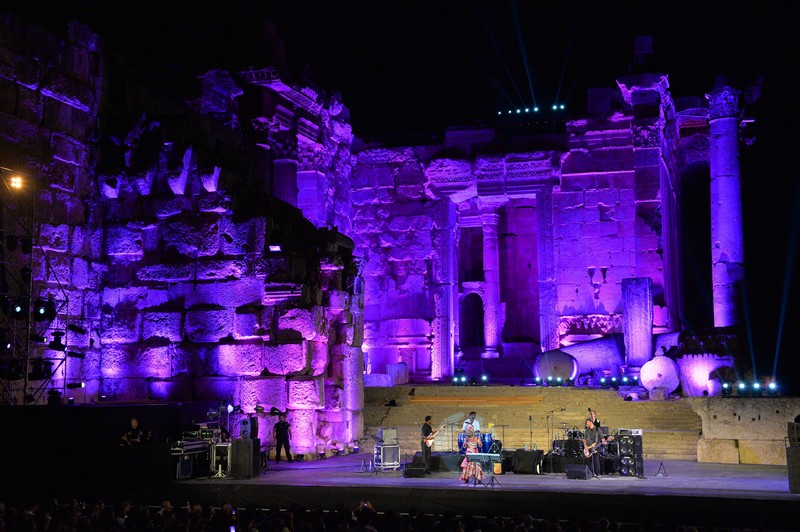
(625, 380)
(19, 309)
(37, 338)
(537, 381)
(44, 310)
(742, 387)
(74, 354)
(56, 344)
(16, 181)
(75, 385)
(559, 381)
(484, 379)
(535, 109)
(772, 389)
(571, 382)
(259, 409)
(727, 389)
(275, 248)
(463, 379)
(455, 381)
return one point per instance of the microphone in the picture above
(530, 418)
(590, 410)
(561, 409)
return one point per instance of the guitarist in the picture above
(592, 440)
(427, 434)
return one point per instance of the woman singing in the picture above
(470, 470)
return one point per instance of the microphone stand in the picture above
(530, 432)
(550, 433)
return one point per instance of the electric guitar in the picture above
(589, 450)
(430, 439)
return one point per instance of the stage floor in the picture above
(688, 493)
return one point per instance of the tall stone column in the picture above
(637, 325)
(491, 273)
(284, 182)
(727, 242)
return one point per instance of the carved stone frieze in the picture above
(589, 324)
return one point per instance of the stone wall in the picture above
(744, 431)
(177, 273)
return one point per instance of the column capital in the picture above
(723, 102)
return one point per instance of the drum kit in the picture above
(571, 444)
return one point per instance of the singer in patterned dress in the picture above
(470, 470)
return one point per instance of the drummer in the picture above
(471, 422)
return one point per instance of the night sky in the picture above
(419, 66)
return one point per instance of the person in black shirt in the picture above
(426, 432)
(592, 441)
(134, 435)
(282, 432)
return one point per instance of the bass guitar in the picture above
(430, 439)
(589, 450)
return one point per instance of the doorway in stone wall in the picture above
(471, 326)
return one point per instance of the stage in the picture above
(669, 492)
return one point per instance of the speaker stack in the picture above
(631, 453)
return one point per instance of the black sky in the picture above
(419, 66)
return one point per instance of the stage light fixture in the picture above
(537, 381)
(19, 309)
(38, 338)
(727, 389)
(76, 329)
(75, 385)
(75, 354)
(16, 182)
(274, 248)
(484, 379)
(44, 310)
(463, 379)
(56, 344)
(26, 245)
(625, 380)
(40, 370)
(259, 409)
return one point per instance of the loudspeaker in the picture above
(413, 471)
(631, 453)
(793, 466)
(579, 471)
(184, 468)
(256, 455)
(241, 458)
(507, 459)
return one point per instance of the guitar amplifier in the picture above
(388, 435)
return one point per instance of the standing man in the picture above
(471, 422)
(426, 431)
(134, 435)
(282, 432)
(593, 417)
(592, 440)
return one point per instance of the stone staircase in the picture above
(525, 415)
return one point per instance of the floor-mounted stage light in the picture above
(75, 385)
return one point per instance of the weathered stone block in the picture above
(161, 324)
(221, 269)
(195, 236)
(305, 393)
(169, 273)
(121, 326)
(318, 356)
(231, 294)
(214, 388)
(153, 362)
(242, 359)
(764, 452)
(264, 391)
(302, 322)
(303, 431)
(123, 241)
(285, 359)
(208, 325)
(717, 451)
(54, 238)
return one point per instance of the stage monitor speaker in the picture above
(580, 471)
(413, 471)
(793, 467)
(184, 467)
(241, 458)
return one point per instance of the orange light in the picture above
(16, 182)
